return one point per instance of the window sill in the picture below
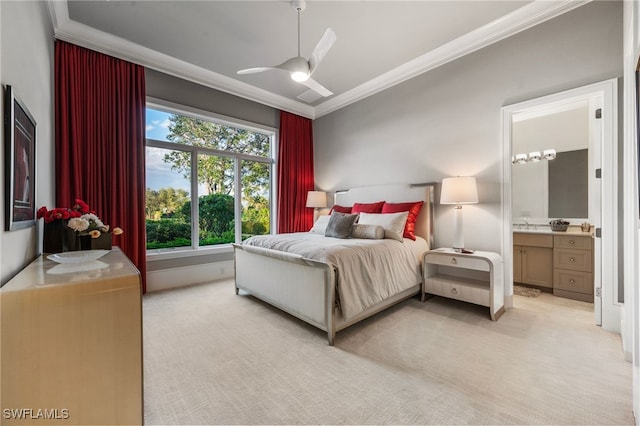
(164, 254)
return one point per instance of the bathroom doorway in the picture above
(532, 191)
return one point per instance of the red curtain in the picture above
(295, 173)
(100, 141)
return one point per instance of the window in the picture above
(224, 168)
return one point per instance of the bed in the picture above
(312, 286)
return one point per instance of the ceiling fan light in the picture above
(299, 76)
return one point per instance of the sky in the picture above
(159, 173)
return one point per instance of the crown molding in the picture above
(519, 20)
(82, 35)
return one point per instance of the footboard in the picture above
(302, 287)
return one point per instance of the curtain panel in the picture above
(100, 141)
(295, 173)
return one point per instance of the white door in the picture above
(595, 197)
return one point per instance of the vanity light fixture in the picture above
(535, 156)
(520, 159)
(458, 190)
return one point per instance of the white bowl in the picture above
(81, 256)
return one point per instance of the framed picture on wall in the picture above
(20, 163)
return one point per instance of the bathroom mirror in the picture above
(549, 171)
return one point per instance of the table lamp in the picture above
(317, 200)
(458, 190)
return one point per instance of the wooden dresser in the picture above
(72, 343)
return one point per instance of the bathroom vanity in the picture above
(558, 262)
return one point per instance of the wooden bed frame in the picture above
(305, 288)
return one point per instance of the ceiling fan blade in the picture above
(323, 46)
(317, 87)
(255, 70)
(294, 64)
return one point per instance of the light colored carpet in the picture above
(526, 291)
(211, 357)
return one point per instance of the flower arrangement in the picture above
(80, 218)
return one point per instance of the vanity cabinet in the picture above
(573, 267)
(561, 262)
(533, 259)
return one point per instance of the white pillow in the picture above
(321, 224)
(393, 223)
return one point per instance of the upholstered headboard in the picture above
(396, 193)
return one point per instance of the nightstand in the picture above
(444, 274)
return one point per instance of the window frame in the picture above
(184, 110)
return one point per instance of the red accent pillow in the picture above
(413, 209)
(367, 207)
(340, 209)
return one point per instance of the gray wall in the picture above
(26, 63)
(446, 122)
(177, 90)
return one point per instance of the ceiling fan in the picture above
(299, 68)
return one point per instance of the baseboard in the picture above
(179, 277)
(508, 301)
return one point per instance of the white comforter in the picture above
(368, 271)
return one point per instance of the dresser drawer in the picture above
(575, 260)
(572, 242)
(455, 288)
(535, 240)
(579, 282)
(457, 261)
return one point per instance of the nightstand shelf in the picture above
(487, 290)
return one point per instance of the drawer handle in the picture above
(571, 242)
(454, 261)
(571, 259)
(572, 281)
(454, 291)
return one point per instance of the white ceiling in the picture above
(379, 43)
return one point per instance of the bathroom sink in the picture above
(540, 229)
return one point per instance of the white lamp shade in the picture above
(317, 199)
(459, 190)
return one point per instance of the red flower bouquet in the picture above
(74, 228)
